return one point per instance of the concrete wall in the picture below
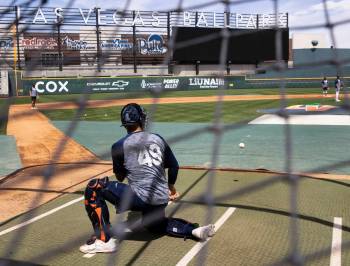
(92, 72)
(142, 70)
(190, 70)
(309, 56)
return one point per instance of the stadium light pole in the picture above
(170, 59)
(314, 44)
(98, 39)
(17, 37)
(59, 22)
(228, 69)
(197, 67)
(313, 49)
(134, 42)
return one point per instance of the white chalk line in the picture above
(89, 255)
(195, 250)
(336, 242)
(41, 216)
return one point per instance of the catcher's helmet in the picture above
(133, 114)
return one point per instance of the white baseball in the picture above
(241, 145)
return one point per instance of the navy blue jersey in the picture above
(142, 157)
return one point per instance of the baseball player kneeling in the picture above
(140, 157)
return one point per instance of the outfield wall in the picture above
(70, 85)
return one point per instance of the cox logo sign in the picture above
(51, 86)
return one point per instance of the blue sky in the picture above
(302, 12)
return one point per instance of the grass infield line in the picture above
(194, 251)
(336, 242)
(40, 216)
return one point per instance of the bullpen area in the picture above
(253, 200)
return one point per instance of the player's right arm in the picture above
(171, 163)
(173, 194)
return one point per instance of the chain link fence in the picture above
(35, 40)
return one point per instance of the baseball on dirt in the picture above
(241, 145)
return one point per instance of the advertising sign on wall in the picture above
(6, 43)
(46, 41)
(90, 85)
(152, 44)
(38, 42)
(54, 86)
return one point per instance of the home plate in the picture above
(271, 119)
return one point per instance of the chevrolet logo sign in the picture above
(120, 83)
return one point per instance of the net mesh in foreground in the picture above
(97, 58)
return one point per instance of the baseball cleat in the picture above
(203, 232)
(98, 246)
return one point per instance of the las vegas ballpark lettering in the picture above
(102, 17)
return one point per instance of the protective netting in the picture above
(98, 59)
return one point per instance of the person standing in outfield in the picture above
(324, 86)
(140, 157)
(338, 85)
(33, 93)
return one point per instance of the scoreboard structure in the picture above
(244, 46)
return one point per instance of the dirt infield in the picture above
(31, 187)
(46, 174)
(38, 140)
(207, 99)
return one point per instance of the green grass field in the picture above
(97, 115)
(144, 94)
(233, 112)
(257, 233)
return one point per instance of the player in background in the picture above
(33, 93)
(324, 84)
(141, 158)
(338, 85)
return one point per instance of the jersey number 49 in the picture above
(150, 156)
